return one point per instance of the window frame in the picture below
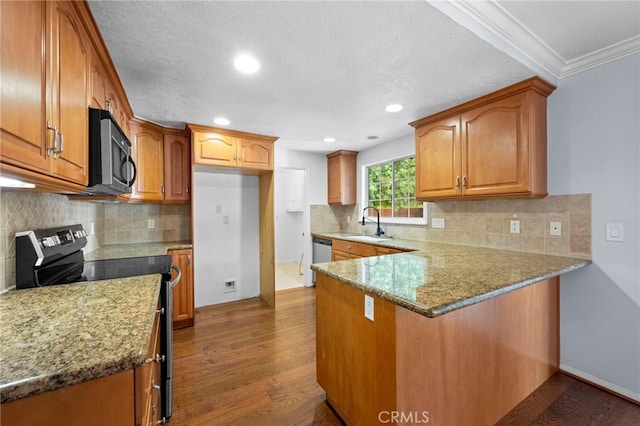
(364, 174)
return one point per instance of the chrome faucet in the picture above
(379, 231)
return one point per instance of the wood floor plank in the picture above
(244, 363)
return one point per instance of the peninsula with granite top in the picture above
(440, 333)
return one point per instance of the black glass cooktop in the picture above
(74, 269)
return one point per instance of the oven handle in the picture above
(176, 280)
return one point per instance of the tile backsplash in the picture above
(113, 223)
(485, 223)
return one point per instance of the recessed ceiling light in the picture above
(246, 64)
(329, 140)
(221, 121)
(393, 108)
(372, 137)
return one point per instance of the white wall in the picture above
(594, 147)
(224, 252)
(289, 226)
(315, 166)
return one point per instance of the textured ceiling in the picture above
(328, 68)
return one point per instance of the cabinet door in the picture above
(23, 92)
(177, 167)
(438, 159)
(255, 154)
(214, 149)
(495, 147)
(147, 152)
(183, 291)
(70, 94)
(341, 177)
(340, 255)
(98, 83)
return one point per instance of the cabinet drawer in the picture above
(357, 249)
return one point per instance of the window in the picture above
(391, 188)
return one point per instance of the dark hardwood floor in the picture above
(246, 364)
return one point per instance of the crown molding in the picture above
(489, 21)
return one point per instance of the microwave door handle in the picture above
(128, 160)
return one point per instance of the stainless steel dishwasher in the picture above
(321, 252)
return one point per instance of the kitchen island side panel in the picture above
(473, 365)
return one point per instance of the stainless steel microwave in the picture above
(111, 167)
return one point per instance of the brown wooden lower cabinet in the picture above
(183, 303)
(343, 249)
(467, 367)
(125, 398)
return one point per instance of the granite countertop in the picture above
(118, 251)
(435, 278)
(61, 335)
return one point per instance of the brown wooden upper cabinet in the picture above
(177, 167)
(45, 69)
(228, 148)
(341, 177)
(163, 162)
(494, 146)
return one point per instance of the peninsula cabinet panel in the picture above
(491, 147)
(341, 177)
(355, 355)
(470, 366)
(177, 167)
(147, 152)
(45, 72)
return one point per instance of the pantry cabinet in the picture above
(45, 72)
(492, 147)
(341, 177)
(183, 302)
(227, 148)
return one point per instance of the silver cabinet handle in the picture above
(154, 386)
(464, 181)
(157, 358)
(161, 421)
(57, 153)
(54, 148)
(457, 182)
(160, 311)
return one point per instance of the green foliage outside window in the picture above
(392, 188)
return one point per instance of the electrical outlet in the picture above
(92, 227)
(229, 286)
(437, 222)
(218, 208)
(555, 228)
(368, 307)
(151, 223)
(225, 219)
(514, 226)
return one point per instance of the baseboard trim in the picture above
(602, 384)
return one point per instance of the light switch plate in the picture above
(368, 307)
(615, 232)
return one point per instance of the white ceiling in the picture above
(330, 68)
